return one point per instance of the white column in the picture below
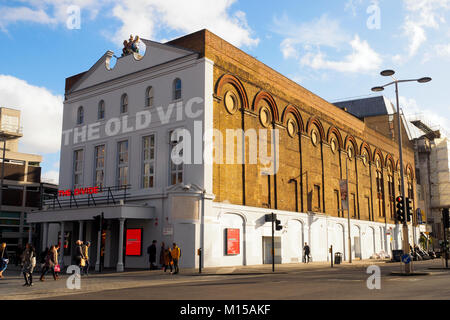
(30, 233)
(99, 244)
(61, 250)
(121, 231)
(80, 230)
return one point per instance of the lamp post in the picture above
(390, 73)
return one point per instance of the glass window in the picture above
(101, 110)
(148, 161)
(122, 163)
(78, 168)
(149, 97)
(80, 115)
(176, 171)
(124, 103)
(176, 89)
(99, 166)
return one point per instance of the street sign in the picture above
(406, 258)
(168, 231)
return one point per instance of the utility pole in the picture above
(273, 242)
(348, 216)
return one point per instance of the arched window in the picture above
(80, 115)
(149, 97)
(380, 187)
(176, 89)
(101, 110)
(390, 168)
(124, 103)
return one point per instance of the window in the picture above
(122, 163)
(148, 161)
(80, 115)
(317, 197)
(101, 110)
(391, 190)
(353, 205)
(149, 97)
(338, 200)
(176, 89)
(380, 188)
(77, 168)
(176, 170)
(124, 103)
(99, 166)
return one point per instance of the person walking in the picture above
(79, 256)
(161, 255)
(4, 260)
(151, 250)
(176, 254)
(306, 253)
(50, 263)
(28, 264)
(86, 257)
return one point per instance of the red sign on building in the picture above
(233, 243)
(134, 242)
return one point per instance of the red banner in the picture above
(233, 243)
(134, 242)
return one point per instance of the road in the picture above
(320, 282)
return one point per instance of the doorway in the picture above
(267, 250)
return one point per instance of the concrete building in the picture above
(433, 173)
(121, 133)
(22, 186)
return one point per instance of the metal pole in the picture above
(331, 252)
(445, 247)
(273, 245)
(402, 182)
(348, 216)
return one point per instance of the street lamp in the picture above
(390, 73)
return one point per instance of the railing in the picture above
(113, 196)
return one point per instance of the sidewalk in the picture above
(11, 286)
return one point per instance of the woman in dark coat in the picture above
(4, 259)
(28, 264)
(50, 263)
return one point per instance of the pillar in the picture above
(44, 235)
(80, 230)
(61, 250)
(120, 255)
(99, 244)
(30, 233)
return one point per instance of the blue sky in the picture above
(336, 49)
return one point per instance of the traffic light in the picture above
(400, 213)
(445, 218)
(278, 225)
(409, 209)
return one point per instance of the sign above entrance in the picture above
(78, 192)
(233, 241)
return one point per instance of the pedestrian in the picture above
(151, 250)
(50, 263)
(42, 258)
(28, 264)
(4, 260)
(306, 253)
(57, 266)
(18, 256)
(168, 261)
(176, 255)
(161, 255)
(86, 257)
(79, 256)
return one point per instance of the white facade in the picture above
(185, 212)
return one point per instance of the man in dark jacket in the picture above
(306, 252)
(151, 250)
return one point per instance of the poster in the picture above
(134, 242)
(233, 243)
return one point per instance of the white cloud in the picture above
(147, 18)
(362, 59)
(41, 114)
(422, 15)
(306, 43)
(51, 176)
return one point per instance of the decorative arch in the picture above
(228, 78)
(410, 168)
(315, 121)
(390, 159)
(333, 130)
(352, 140)
(365, 145)
(263, 95)
(292, 109)
(397, 165)
(380, 154)
(237, 213)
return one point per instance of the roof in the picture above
(367, 107)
